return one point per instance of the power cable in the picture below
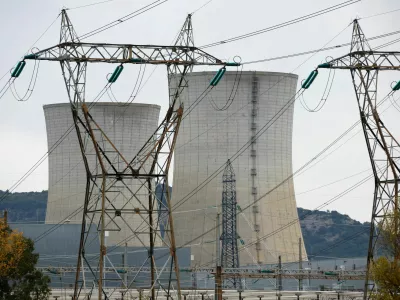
(5, 74)
(91, 4)
(284, 108)
(122, 19)
(294, 221)
(11, 80)
(345, 239)
(5, 88)
(52, 148)
(305, 215)
(329, 83)
(290, 223)
(278, 114)
(41, 160)
(219, 172)
(31, 86)
(232, 95)
(299, 170)
(284, 24)
(337, 243)
(46, 30)
(216, 173)
(318, 50)
(240, 151)
(211, 88)
(387, 44)
(380, 14)
(325, 95)
(197, 102)
(79, 209)
(196, 10)
(203, 92)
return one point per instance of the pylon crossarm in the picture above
(365, 60)
(126, 53)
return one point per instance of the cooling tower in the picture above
(241, 124)
(127, 126)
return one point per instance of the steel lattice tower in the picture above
(111, 175)
(229, 236)
(365, 64)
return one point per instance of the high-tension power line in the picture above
(318, 50)
(125, 18)
(299, 171)
(110, 168)
(284, 24)
(75, 85)
(282, 57)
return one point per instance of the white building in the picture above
(208, 137)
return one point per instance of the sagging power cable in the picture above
(125, 18)
(318, 50)
(31, 86)
(51, 149)
(283, 109)
(299, 171)
(325, 95)
(232, 95)
(284, 24)
(79, 209)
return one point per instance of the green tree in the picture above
(18, 277)
(385, 270)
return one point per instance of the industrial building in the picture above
(229, 123)
(128, 126)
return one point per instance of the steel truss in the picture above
(229, 237)
(120, 192)
(384, 150)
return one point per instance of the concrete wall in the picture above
(208, 137)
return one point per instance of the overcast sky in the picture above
(23, 132)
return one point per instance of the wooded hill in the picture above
(325, 233)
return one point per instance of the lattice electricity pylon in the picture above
(120, 192)
(384, 150)
(229, 236)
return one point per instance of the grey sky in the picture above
(23, 136)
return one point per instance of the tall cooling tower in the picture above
(127, 126)
(225, 125)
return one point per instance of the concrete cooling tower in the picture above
(224, 125)
(127, 126)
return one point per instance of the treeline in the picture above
(327, 233)
(24, 207)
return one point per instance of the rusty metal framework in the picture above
(384, 150)
(120, 192)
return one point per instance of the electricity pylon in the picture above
(120, 191)
(384, 150)
(229, 237)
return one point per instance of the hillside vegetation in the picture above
(327, 233)
(330, 233)
(25, 207)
